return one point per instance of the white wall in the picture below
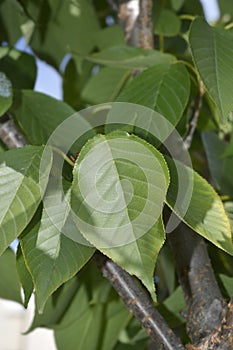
(14, 320)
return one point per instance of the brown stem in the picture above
(206, 307)
(139, 303)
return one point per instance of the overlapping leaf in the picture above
(130, 57)
(212, 50)
(51, 257)
(20, 189)
(9, 282)
(203, 211)
(164, 88)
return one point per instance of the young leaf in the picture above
(120, 183)
(164, 88)
(5, 93)
(212, 50)
(20, 190)
(130, 57)
(205, 212)
(9, 282)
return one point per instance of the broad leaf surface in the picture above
(204, 211)
(20, 190)
(212, 50)
(164, 88)
(6, 95)
(130, 57)
(119, 212)
(9, 282)
(51, 257)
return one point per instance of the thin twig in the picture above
(139, 303)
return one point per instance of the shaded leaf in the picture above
(110, 36)
(130, 57)
(9, 282)
(24, 276)
(20, 68)
(67, 26)
(167, 23)
(212, 50)
(105, 85)
(203, 211)
(220, 167)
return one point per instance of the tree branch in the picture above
(139, 303)
(206, 307)
(10, 135)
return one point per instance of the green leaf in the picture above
(130, 57)
(66, 26)
(24, 276)
(10, 21)
(212, 50)
(51, 257)
(177, 4)
(229, 210)
(38, 114)
(171, 308)
(9, 282)
(5, 93)
(205, 212)
(92, 320)
(139, 257)
(167, 23)
(20, 189)
(110, 36)
(20, 68)
(74, 82)
(119, 204)
(220, 167)
(105, 85)
(228, 283)
(164, 88)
